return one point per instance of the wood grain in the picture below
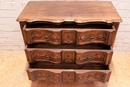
(76, 11)
(14, 64)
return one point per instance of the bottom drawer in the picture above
(70, 73)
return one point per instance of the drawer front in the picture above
(94, 36)
(43, 55)
(103, 57)
(44, 75)
(69, 56)
(92, 76)
(34, 36)
(69, 76)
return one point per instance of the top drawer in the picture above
(71, 33)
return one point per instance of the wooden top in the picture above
(75, 11)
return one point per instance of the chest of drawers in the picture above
(69, 41)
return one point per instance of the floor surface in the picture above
(13, 66)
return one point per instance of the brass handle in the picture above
(48, 75)
(47, 57)
(46, 37)
(91, 38)
(89, 77)
(89, 58)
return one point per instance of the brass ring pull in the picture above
(48, 75)
(47, 57)
(46, 37)
(91, 38)
(89, 77)
(89, 58)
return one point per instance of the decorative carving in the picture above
(68, 36)
(99, 57)
(46, 56)
(99, 76)
(85, 77)
(46, 36)
(82, 58)
(92, 36)
(83, 38)
(90, 76)
(101, 37)
(68, 77)
(68, 56)
(46, 75)
(36, 35)
(81, 78)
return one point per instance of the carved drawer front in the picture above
(42, 35)
(53, 56)
(94, 56)
(93, 76)
(95, 36)
(68, 36)
(67, 56)
(69, 75)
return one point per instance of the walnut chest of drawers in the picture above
(69, 41)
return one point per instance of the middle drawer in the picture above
(69, 54)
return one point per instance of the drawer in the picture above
(74, 74)
(71, 54)
(69, 34)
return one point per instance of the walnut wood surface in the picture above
(78, 11)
